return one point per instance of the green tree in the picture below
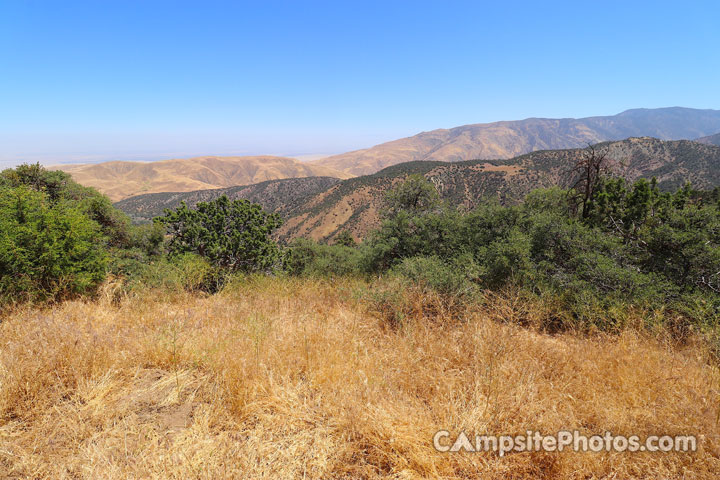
(233, 235)
(415, 195)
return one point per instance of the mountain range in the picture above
(490, 141)
(320, 208)
(120, 180)
(502, 140)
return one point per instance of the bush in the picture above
(636, 249)
(232, 235)
(431, 273)
(48, 250)
(185, 272)
(58, 186)
(306, 257)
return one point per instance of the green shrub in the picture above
(48, 250)
(232, 235)
(306, 257)
(433, 274)
(506, 260)
(636, 249)
(59, 187)
(415, 195)
(185, 272)
(345, 239)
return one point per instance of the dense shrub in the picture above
(415, 195)
(306, 257)
(61, 239)
(59, 187)
(434, 274)
(184, 272)
(345, 239)
(635, 247)
(233, 235)
(49, 249)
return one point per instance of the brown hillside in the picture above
(121, 180)
(711, 140)
(320, 208)
(354, 204)
(512, 138)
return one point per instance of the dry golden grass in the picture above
(283, 378)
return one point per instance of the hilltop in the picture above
(509, 139)
(321, 208)
(120, 180)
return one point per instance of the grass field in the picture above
(296, 378)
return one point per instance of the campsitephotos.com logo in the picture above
(444, 441)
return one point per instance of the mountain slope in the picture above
(501, 140)
(321, 208)
(282, 196)
(121, 180)
(711, 140)
(354, 204)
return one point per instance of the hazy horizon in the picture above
(119, 154)
(147, 81)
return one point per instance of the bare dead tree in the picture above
(586, 176)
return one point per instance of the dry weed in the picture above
(284, 378)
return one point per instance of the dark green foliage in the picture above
(636, 247)
(414, 224)
(59, 187)
(49, 248)
(55, 184)
(434, 274)
(345, 239)
(232, 235)
(146, 245)
(415, 195)
(305, 257)
(57, 236)
(148, 238)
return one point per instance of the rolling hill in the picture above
(512, 138)
(121, 180)
(321, 208)
(281, 196)
(492, 141)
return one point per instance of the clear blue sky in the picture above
(146, 79)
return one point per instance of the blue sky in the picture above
(149, 79)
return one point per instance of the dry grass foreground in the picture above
(283, 378)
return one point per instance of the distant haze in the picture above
(75, 149)
(92, 81)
